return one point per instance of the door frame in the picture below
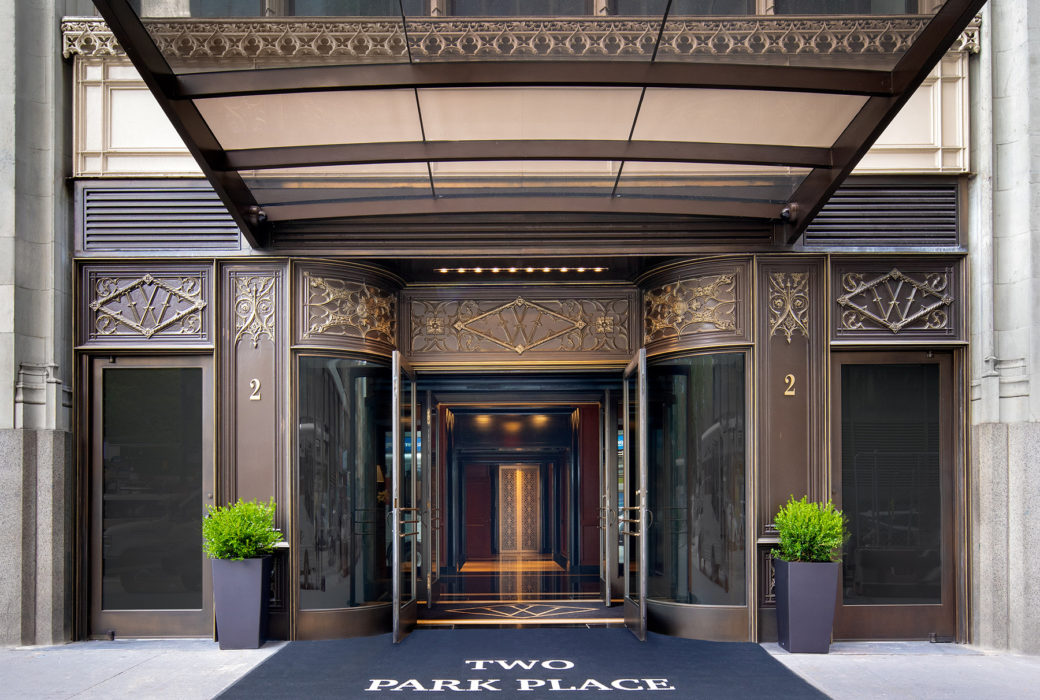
(907, 621)
(150, 622)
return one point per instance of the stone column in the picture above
(36, 494)
(1004, 239)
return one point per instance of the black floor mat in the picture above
(527, 663)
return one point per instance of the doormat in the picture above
(526, 663)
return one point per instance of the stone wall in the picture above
(1004, 239)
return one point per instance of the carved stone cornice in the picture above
(586, 37)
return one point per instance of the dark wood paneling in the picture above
(588, 455)
(478, 494)
(695, 304)
(897, 299)
(149, 305)
(791, 384)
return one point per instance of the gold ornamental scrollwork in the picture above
(255, 308)
(895, 301)
(148, 305)
(346, 308)
(788, 304)
(520, 325)
(691, 306)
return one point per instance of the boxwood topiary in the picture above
(243, 530)
(809, 531)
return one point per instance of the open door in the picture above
(430, 481)
(608, 515)
(633, 515)
(405, 512)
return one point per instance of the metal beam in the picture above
(875, 116)
(440, 151)
(185, 117)
(665, 74)
(716, 208)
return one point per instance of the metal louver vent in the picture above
(156, 217)
(888, 215)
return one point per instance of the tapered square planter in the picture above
(240, 593)
(806, 593)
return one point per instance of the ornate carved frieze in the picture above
(897, 301)
(348, 308)
(527, 324)
(587, 37)
(788, 304)
(255, 307)
(156, 305)
(690, 306)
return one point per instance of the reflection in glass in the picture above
(846, 7)
(519, 8)
(343, 482)
(628, 499)
(152, 489)
(890, 486)
(681, 8)
(697, 462)
(406, 496)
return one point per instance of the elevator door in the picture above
(519, 509)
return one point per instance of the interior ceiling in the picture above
(304, 125)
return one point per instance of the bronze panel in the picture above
(362, 621)
(148, 304)
(696, 304)
(897, 299)
(792, 381)
(518, 324)
(719, 623)
(344, 306)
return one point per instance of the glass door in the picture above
(608, 514)
(633, 516)
(151, 478)
(429, 477)
(405, 512)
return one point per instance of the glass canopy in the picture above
(731, 110)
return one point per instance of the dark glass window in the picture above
(343, 488)
(845, 7)
(696, 455)
(151, 544)
(520, 8)
(680, 8)
(890, 483)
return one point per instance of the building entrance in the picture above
(521, 528)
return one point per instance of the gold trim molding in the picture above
(160, 305)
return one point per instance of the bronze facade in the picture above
(790, 321)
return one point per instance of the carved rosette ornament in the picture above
(520, 325)
(255, 308)
(895, 301)
(788, 304)
(691, 306)
(147, 306)
(346, 308)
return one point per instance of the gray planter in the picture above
(805, 597)
(241, 590)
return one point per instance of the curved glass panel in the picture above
(696, 453)
(343, 472)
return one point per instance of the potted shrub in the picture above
(811, 535)
(240, 538)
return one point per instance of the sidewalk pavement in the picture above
(192, 669)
